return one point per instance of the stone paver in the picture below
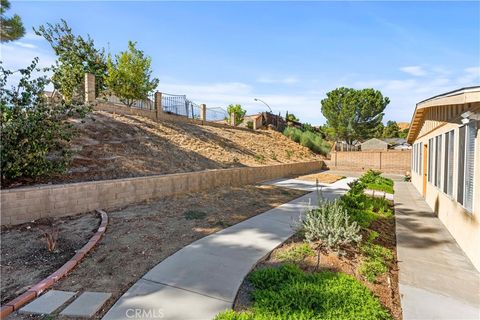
(203, 278)
(437, 281)
(48, 302)
(86, 305)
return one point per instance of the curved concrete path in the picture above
(202, 279)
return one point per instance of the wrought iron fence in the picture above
(148, 104)
(180, 105)
(216, 114)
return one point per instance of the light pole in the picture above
(256, 99)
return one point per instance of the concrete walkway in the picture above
(437, 281)
(202, 279)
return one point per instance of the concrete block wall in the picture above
(395, 161)
(30, 203)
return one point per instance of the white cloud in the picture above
(271, 80)
(24, 45)
(470, 76)
(416, 71)
(303, 105)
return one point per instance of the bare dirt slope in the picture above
(110, 147)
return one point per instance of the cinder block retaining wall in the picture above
(398, 161)
(26, 204)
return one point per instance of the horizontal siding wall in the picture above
(26, 204)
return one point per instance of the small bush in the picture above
(330, 225)
(250, 124)
(308, 139)
(296, 254)
(194, 215)
(374, 181)
(260, 158)
(289, 293)
(35, 132)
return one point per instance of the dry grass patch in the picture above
(322, 177)
(140, 236)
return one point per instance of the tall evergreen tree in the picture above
(354, 114)
(11, 27)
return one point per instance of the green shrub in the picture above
(308, 139)
(289, 293)
(296, 253)
(330, 225)
(250, 124)
(374, 181)
(194, 215)
(35, 133)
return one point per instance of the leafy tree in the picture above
(392, 130)
(35, 132)
(238, 111)
(353, 114)
(403, 134)
(129, 75)
(75, 57)
(291, 117)
(378, 132)
(11, 28)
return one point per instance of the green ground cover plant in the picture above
(374, 181)
(296, 253)
(377, 258)
(287, 293)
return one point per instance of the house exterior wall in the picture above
(463, 225)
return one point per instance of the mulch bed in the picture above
(385, 287)
(140, 236)
(25, 259)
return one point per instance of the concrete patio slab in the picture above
(48, 302)
(150, 300)
(202, 279)
(86, 305)
(437, 281)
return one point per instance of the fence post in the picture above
(232, 119)
(89, 88)
(203, 112)
(158, 105)
(380, 160)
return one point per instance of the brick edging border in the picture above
(37, 289)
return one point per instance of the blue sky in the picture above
(286, 53)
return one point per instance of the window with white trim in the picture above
(448, 163)
(438, 162)
(466, 161)
(430, 160)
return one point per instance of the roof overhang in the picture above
(457, 97)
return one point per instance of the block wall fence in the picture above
(22, 205)
(394, 161)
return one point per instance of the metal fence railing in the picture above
(180, 105)
(216, 114)
(148, 104)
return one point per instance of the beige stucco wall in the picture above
(26, 204)
(393, 161)
(464, 226)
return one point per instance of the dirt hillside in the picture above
(110, 147)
